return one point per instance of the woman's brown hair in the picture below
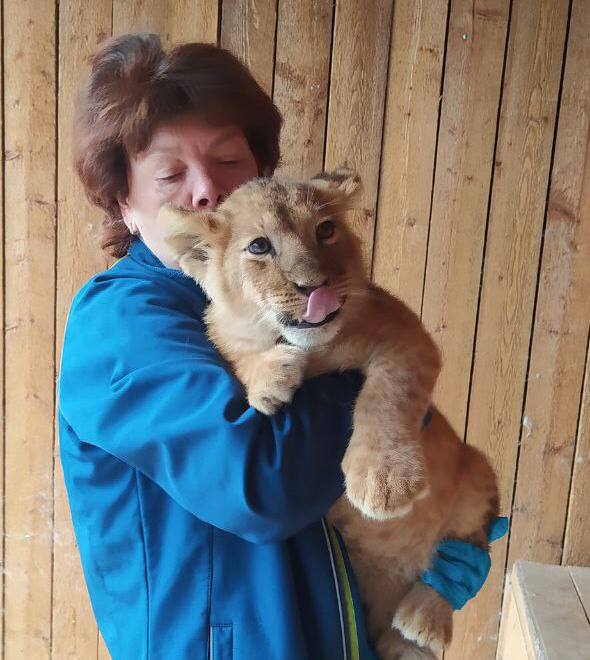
(134, 85)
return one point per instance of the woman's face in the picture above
(190, 163)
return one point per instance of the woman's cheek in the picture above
(172, 192)
(241, 176)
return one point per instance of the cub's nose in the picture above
(309, 289)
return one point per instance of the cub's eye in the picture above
(260, 246)
(325, 230)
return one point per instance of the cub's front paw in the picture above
(383, 484)
(425, 617)
(277, 376)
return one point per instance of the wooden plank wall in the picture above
(470, 125)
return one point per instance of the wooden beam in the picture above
(82, 26)
(576, 548)
(471, 97)
(357, 94)
(30, 145)
(521, 173)
(301, 83)
(175, 22)
(248, 31)
(409, 147)
(561, 323)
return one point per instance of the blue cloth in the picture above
(198, 520)
(459, 569)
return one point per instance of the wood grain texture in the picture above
(82, 27)
(552, 618)
(175, 21)
(2, 365)
(248, 31)
(576, 547)
(301, 83)
(357, 95)
(561, 324)
(29, 107)
(409, 145)
(471, 96)
(357, 82)
(521, 171)
(511, 643)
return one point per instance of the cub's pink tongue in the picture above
(321, 302)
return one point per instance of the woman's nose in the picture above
(205, 193)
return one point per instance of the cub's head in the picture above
(277, 252)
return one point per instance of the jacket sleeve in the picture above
(140, 380)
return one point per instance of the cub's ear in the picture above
(343, 183)
(191, 236)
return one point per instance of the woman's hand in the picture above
(459, 569)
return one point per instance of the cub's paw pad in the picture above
(382, 486)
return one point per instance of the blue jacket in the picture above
(199, 521)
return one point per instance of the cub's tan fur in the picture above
(406, 487)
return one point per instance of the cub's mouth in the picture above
(291, 322)
(323, 306)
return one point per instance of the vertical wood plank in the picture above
(471, 96)
(357, 93)
(561, 324)
(29, 56)
(2, 364)
(175, 21)
(301, 83)
(409, 146)
(248, 31)
(520, 182)
(576, 547)
(82, 27)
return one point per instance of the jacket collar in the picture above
(140, 253)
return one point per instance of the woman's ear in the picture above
(127, 215)
(191, 236)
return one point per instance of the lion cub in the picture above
(289, 300)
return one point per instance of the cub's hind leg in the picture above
(468, 484)
(425, 617)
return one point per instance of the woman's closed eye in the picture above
(169, 178)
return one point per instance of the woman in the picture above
(198, 519)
